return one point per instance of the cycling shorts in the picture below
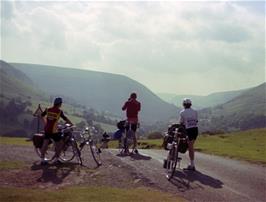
(55, 136)
(192, 133)
(134, 127)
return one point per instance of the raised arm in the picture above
(124, 107)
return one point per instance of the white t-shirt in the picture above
(189, 117)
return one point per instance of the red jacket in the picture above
(133, 107)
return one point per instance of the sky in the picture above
(178, 47)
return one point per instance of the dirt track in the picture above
(112, 173)
(216, 178)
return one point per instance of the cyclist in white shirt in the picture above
(189, 118)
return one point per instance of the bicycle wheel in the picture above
(95, 151)
(49, 154)
(172, 159)
(69, 151)
(121, 146)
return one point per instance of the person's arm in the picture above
(62, 115)
(182, 120)
(43, 114)
(124, 107)
(139, 107)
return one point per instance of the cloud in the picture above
(174, 41)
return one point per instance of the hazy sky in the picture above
(177, 47)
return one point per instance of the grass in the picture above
(7, 165)
(95, 194)
(15, 141)
(246, 145)
(106, 127)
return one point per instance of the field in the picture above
(79, 193)
(247, 145)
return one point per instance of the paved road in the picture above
(216, 178)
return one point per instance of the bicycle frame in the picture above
(126, 140)
(173, 159)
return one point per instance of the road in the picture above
(216, 178)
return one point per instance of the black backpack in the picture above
(121, 125)
(183, 145)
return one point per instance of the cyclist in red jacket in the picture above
(132, 107)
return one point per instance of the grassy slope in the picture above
(248, 145)
(15, 141)
(99, 194)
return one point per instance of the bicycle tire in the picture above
(50, 153)
(171, 162)
(95, 151)
(69, 151)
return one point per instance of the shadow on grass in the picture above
(54, 173)
(187, 180)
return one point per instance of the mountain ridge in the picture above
(102, 91)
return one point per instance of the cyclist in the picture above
(132, 107)
(189, 118)
(53, 115)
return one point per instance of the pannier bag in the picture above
(172, 128)
(121, 125)
(38, 139)
(167, 139)
(118, 134)
(183, 145)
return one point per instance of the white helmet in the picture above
(187, 101)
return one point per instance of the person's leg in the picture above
(191, 152)
(44, 148)
(134, 140)
(58, 148)
(192, 136)
(135, 143)
(59, 143)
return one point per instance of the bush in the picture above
(155, 135)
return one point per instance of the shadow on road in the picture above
(140, 157)
(186, 180)
(135, 156)
(54, 173)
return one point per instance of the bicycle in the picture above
(174, 148)
(95, 150)
(69, 149)
(126, 140)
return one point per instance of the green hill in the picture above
(14, 83)
(101, 91)
(200, 102)
(20, 97)
(246, 111)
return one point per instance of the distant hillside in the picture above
(102, 91)
(20, 97)
(200, 102)
(17, 96)
(14, 83)
(246, 111)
